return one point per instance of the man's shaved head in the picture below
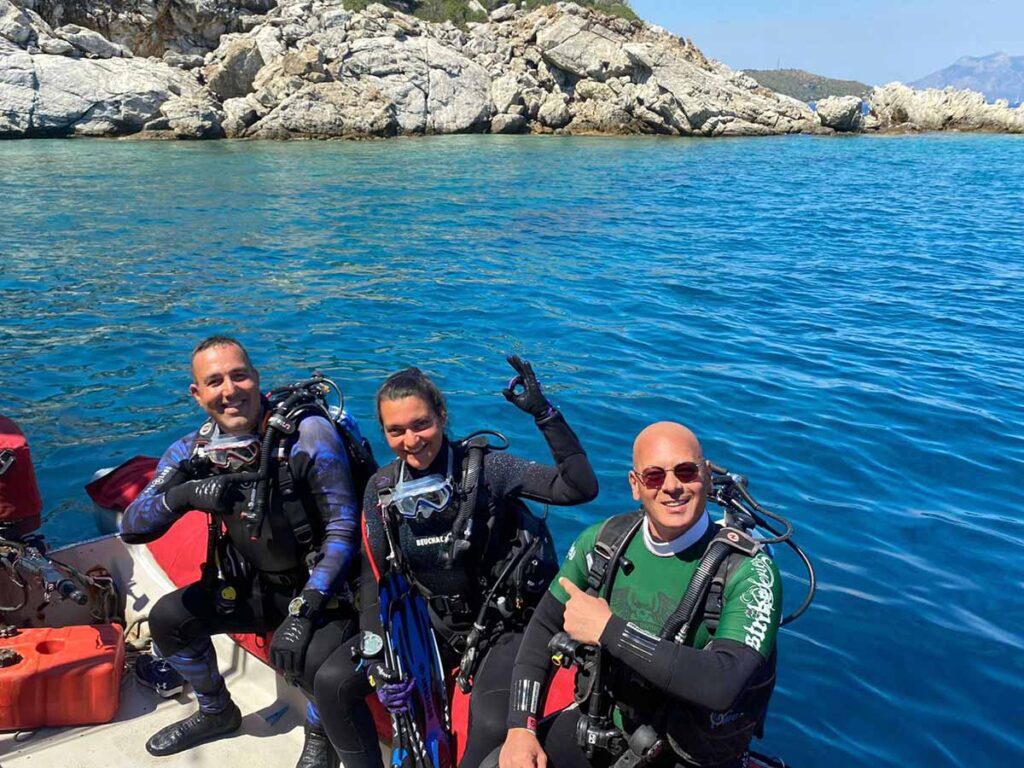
(662, 432)
(676, 505)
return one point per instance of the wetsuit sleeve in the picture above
(570, 481)
(148, 517)
(714, 676)
(532, 667)
(373, 560)
(319, 457)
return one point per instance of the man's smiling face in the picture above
(227, 387)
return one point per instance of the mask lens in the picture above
(423, 497)
(233, 454)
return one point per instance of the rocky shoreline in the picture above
(312, 69)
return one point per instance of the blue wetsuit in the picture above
(266, 573)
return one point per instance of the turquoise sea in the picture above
(842, 320)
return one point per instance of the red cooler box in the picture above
(66, 676)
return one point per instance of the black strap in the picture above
(712, 610)
(609, 536)
(726, 542)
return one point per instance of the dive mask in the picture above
(233, 452)
(422, 497)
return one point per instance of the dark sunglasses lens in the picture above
(653, 477)
(686, 472)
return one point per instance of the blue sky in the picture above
(868, 40)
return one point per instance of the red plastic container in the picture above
(66, 676)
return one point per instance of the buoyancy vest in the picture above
(455, 591)
(697, 735)
(293, 527)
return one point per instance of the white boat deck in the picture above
(273, 712)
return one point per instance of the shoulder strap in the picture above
(473, 452)
(712, 610)
(203, 437)
(727, 542)
(610, 536)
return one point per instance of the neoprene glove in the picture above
(216, 495)
(288, 648)
(395, 695)
(531, 399)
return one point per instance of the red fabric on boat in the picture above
(558, 697)
(20, 502)
(119, 487)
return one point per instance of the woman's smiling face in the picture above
(414, 431)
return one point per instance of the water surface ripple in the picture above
(840, 319)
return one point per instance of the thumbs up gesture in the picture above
(585, 616)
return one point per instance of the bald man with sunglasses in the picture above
(706, 696)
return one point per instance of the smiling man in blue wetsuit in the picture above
(273, 579)
(699, 697)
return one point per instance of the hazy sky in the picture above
(869, 40)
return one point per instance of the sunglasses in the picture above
(654, 477)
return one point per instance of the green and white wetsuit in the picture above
(708, 695)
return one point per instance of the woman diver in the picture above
(448, 514)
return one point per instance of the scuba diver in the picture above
(670, 620)
(448, 514)
(281, 542)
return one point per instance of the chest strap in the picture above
(614, 532)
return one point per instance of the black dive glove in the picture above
(288, 648)
(216, 495)
(531, 398)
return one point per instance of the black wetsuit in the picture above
(710, 692)
(271, 570)
(454, 594)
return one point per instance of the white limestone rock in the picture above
(898, 107)
(150, 27)
(841, 113)
(17, 91)
(710, 96)
(508, 123)
(584, 47)
(503, 13)
(55, 46)
(433, 88)
(91, 43)
(320, 110)
(233, 75)
(192, 117)
(15, 24)
(239, 115)
(183, 60)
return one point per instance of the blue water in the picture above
(840, 319)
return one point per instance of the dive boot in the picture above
(317, 751)
(194, 730)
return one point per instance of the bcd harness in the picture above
(286, 407)
(701, 603)
(520, 567)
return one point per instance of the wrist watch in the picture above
(301, 608)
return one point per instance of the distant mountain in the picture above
(805, 85)
(998, 76)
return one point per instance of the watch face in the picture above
(370, 644)
(295, 606)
